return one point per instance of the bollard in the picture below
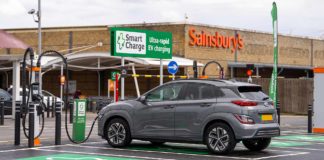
(71, 111)
(1, 113)
(31, 125)
(17, 123)
(57, 123)
(48, 107)
(278, 111)
(310, 122)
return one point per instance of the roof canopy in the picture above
(104, 60)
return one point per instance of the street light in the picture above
(34, 13)
(37, 18)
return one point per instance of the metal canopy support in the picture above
(15, 86)
(61, 87)
(232, 73)
(257, 72)
(122, 81)
(161, 71)
(135, 80)
(99, 78)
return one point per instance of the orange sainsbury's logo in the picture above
(203, 39)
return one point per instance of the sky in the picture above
(295, 17)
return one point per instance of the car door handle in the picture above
(169, 107)
(205, 105)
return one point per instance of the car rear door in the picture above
(155, 119)
(195, 105)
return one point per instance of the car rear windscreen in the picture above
(253, 93)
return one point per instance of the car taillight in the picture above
(244, 103)
(244, 119)
(271, 103)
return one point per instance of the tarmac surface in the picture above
(293, 144)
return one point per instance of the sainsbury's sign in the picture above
(203, 39)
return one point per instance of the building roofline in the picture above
(65, 28)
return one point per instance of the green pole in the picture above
(273, 82)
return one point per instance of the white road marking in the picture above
(53, 146)
(299, 148)
(47, 148)
(283, 155)
(186, 154)
(101, 154)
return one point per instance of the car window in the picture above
(45, 93)
(253, 93)
(165, 93)
(4, 95)
(228, 93)
(196, 91)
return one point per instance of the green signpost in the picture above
(113, 75)
(79, 119)
(127, 42)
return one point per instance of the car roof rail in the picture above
(217, 80)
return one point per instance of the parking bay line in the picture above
(198, 155)
(105, 148)
(300, 148)
(282, 155)
(100, 154)
(174, 153)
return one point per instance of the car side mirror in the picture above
(142, 99)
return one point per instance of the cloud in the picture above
(11, 8)
(299, 17)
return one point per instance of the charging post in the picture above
(79, 120)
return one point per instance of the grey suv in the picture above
(218, 113)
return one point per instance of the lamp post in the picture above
(37, 19)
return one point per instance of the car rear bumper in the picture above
(250, 131)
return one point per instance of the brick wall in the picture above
(258, 48)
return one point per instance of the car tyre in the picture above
(219, 138)
(157, 143)
(258, 144)
(118, 133)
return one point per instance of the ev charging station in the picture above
(318, 100)
(32, 105)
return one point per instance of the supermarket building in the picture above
(231, 47)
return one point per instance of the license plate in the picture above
(266, 117)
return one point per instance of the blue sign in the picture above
(173, 67)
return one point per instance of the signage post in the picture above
(128, 42)
(161, 72)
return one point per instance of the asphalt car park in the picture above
(294, 143)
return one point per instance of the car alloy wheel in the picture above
(218, 139)
(116, 133)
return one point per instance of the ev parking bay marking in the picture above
(287, 153)
(101, 154)
(162, 152)
(308, 138)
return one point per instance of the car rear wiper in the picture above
(265, 98)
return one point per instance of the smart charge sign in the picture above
(128, 42)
